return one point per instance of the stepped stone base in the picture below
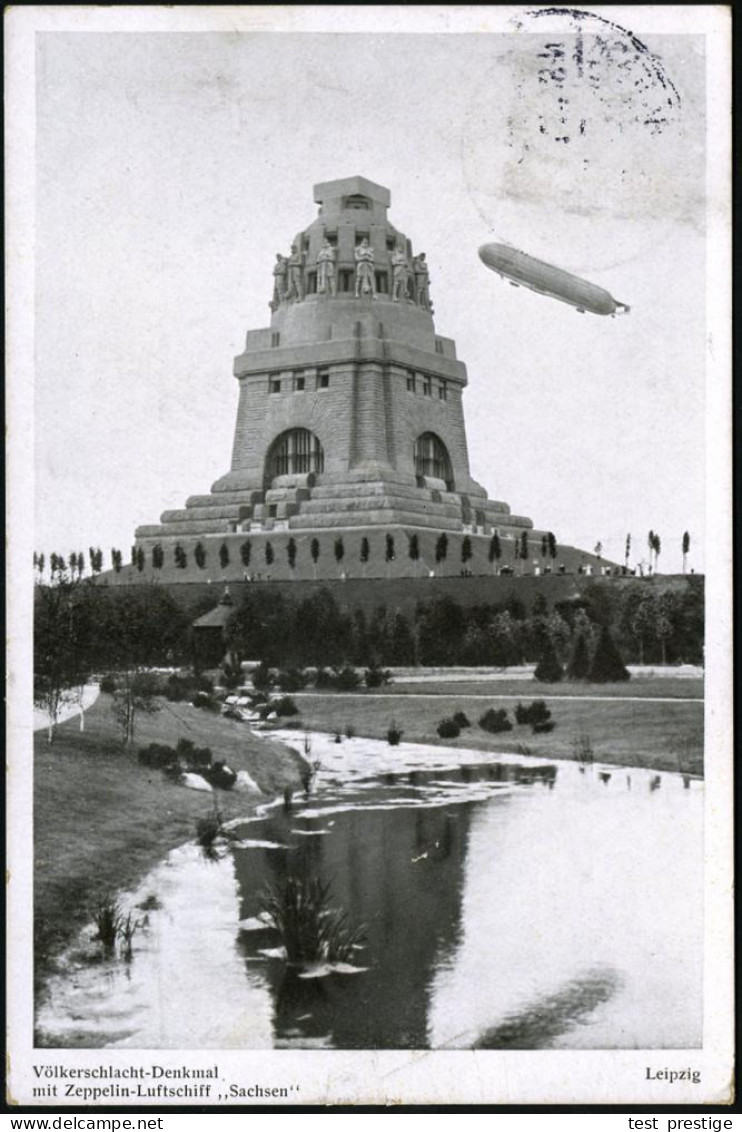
(359, 498)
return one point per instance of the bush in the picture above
(108, 685)
(607, 666)
(495, 720)
(579, 664)
(231, 676)
(350, 731)
(220, 776)
(323, 679)
(448, 729)
(184, 687)
(284, 706)
(460, 719)
(548, 669)
(537, 712)
(543, 727)
(292, 679)
(157, 756)
(375, 677)
(194, 758)
(346, 679)
(262, 678)
(394, 735)
(178, 688)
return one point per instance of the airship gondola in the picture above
(545, 279)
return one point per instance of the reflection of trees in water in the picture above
(538, 1025)
(400, 873)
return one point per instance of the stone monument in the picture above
(350, 423)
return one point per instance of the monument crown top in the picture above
(334, 191)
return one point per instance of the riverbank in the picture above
(102, 821)
(652, 723)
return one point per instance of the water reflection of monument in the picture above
(399, 872)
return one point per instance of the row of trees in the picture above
(666, 627)
(521, 550)
(76, 562)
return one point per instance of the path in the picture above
(67, 710)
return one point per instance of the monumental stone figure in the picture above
(365, 282)
(326, 275)
(422, 281)
(295, 288)
(279, 281)
(400, 273)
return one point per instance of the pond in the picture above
(504, 903)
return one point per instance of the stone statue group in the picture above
(410, 282)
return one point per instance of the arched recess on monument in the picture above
(432, 460)
(296, 452)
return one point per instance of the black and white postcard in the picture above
(369, 449)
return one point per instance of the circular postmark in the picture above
(576, 116)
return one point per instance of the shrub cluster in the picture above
(375, 676)
(187, 758)
(341, 679)
(292, 679)
(495, 720)
(537, 715)
(185, 686)
(448, 729)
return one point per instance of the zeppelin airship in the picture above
(523, 270)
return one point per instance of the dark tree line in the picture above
(645, 627)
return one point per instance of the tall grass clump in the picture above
(114, 927)
(394, 735)
(108, 920)
(312, 930)
(208, 830)
(582, 748)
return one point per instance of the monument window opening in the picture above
(332, 238)
(357, 201)
(345, 281)
(323, 379)
(443, 391)
(360, 237)
(275, 385)
(410, 383)
(299, 383)
(311, 282)
(438, 346)
(275, 338)
(432, 459)
(391, 243)
(295, 453)
(382, 283)
(427, 387)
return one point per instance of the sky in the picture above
(171, 167)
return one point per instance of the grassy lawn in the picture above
(666, 687)
(666, 736)
(101, 821)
